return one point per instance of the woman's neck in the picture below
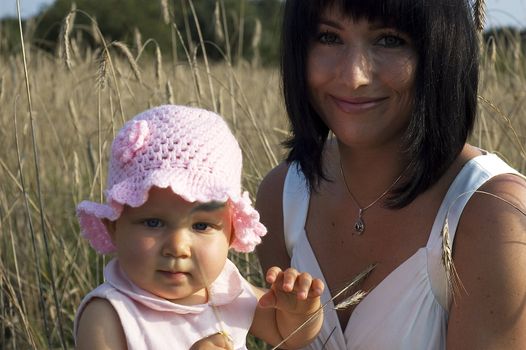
(368, 172)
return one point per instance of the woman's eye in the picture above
(200, 226)
(328, 38)
(153, 223)
(391, 41)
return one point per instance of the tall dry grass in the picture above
(54, 153)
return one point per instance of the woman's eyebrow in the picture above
(330, 23)
(209, 206)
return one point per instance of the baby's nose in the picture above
(177, 244)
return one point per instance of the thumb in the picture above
(268, 300)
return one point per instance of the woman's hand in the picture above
(218, 341)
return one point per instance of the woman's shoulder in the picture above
(269, 203)
(499, 197)
(271, 188)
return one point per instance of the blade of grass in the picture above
(39, 190)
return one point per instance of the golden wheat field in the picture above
(59, 113)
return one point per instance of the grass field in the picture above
(54, 154)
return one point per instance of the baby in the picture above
(174, 207)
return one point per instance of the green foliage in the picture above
(120, 19)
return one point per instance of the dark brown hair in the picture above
(446, 83)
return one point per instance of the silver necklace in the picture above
(359, 225)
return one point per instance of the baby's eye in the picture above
(153, 223)
(328, 38)
(201, 226)
(391, 41)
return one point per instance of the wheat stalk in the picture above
(218, 29)
(158, 65)
(480, 14)
(39, 189)
(2, 88)
(454, 283)
(193, 65)
(129, 57)
(256, 39)
(492, 52)
(165, 11)
(241, 30)
(65, 31)
(205, 56)
(508, 121)
(169, 93)
(94, 31)
(102, 70)
(137, 36)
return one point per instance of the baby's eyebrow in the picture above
(209, 206)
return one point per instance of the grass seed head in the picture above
(129, 57)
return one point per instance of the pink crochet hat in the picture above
(190, 150)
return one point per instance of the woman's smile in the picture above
(358, 104)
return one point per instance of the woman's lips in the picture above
(358, 104)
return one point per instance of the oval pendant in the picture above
(359, 226)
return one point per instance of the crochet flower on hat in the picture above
(132, 138)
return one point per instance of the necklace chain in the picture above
(359, 225)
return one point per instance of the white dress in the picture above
(409, 308)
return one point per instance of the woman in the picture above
(395, 82)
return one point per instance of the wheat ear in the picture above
(360, 277)
(65, 31)
(129, 57)
(479, 11)
(165, 11)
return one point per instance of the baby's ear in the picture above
(110, 227)
(232, 229)
(232, 234)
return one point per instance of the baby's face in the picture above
(173, 248)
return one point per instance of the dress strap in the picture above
(473, 175)
(296, 196)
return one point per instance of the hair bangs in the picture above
(405, 16)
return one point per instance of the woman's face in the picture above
(361, 79)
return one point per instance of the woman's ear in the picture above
(110, 227)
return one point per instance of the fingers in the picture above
(217, 341)
(292, 281)
(272, 274)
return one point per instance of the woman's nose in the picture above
(177, 244)
(356, 67)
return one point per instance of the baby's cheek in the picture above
(141, 247)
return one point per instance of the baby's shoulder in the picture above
(99, 326)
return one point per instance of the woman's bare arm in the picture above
(490, 258)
